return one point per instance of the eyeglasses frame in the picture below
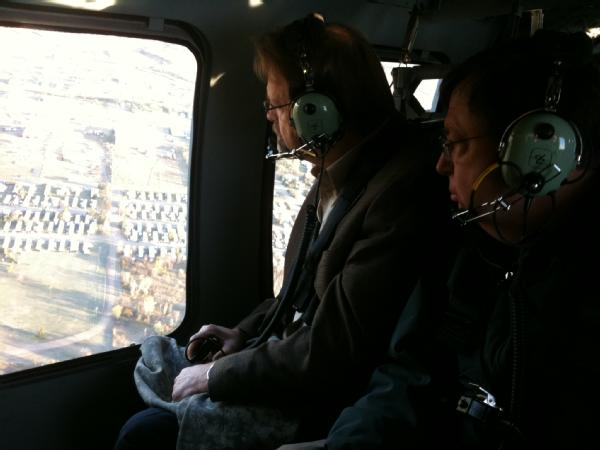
(268, 107)
(448, 146)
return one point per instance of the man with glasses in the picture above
(507, 362)
(368, 230)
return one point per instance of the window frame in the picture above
(62, 19)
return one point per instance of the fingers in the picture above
(176, 394)
(218, 355)
(179, 393)
(191, 380)
(231, 339)
(205, 330)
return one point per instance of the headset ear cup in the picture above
(316, 117)
(538, 151)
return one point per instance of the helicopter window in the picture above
(94, 175)
(292, 183)
(426, 91)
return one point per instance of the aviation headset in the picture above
(539, 149)
(314, 115)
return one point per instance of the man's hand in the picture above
(191, 380)
(232, 338)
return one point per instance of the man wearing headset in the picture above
(286, 371)
(513, 362)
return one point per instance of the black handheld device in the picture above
(201, 350)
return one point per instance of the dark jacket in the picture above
(523, 324)
(363, 279)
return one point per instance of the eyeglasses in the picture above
(268, 107)
(448, 146)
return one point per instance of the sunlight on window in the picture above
(95, 136)
(593, 32)
(388, 66)
(215, 80)
(427, 93)
(94, 5)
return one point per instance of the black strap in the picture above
(306, 300)
(290, 282)
(305, 289)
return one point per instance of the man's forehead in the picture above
(277, 85)
(275, 78)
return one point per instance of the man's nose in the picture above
(271, 115)
(444, 165)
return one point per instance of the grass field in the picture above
(49, 296)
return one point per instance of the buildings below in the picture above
(71, 218)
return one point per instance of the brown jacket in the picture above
(378, 252)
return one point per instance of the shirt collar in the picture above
(334, 176)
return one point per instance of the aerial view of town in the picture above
(94, 175)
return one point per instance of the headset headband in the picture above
(314, 115)
(299, 43)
